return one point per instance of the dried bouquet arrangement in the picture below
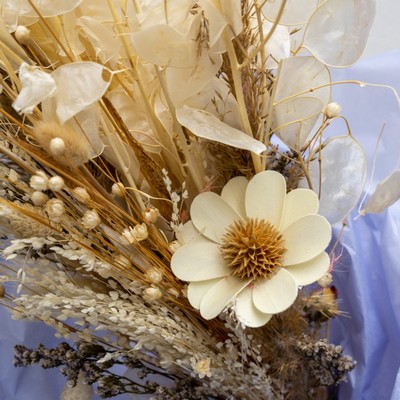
(168, 186)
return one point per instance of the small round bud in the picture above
(13, 176)
(326, 280)
(91, 219)
(173, 292)
(122, 261)
(140, 232)
(174, 246)
(56, 183)
(118, 189)
(55, 208)
(23, 34)
(81, 195)
(154, 274)
(332, 110)
(151, 214)
(57, 146)
(151, 294)
(39, 198)
(39, 181)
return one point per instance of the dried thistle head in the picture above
(62, 142)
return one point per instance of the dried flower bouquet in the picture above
(168, 186)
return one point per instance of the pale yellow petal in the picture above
(211, 215)
(265, 197)
(275, 295)
(198, 261)
(306, 238)
(311, 270)
(246, 311)
(218, 297)
(189, 234)
(234, 194)
(299, 203)
(197, 290)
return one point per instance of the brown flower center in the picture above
(253, 248)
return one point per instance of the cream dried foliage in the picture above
(253, 246)
(138, 106)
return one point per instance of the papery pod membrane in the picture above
(217, 99)
(69, 36)
(79, 85)
(133, 113)
(296, 109)
(161, 12)
(37, 86)
(277, 47)
(164, 46)
(295, 12)
(22, 13)
(207, 126)
(337, 32)
(220, 15)
(343, 173)
(386, 193)
(102, 39)
(121, 156)
(195, 77)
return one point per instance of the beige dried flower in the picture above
(152, 294)
(140, 232)
(154, 274)
(332, 110)
(13, 176)
(39, 181)
(81, 194)
(39, 198)
(151, 214)
(136, 234)
(55, 208)
(201, 367)
(90, 219)
(56, 183)
(118, 189)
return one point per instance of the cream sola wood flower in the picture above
(252, 247)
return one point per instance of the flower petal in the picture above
(198, 261)
(220, 295)
(299, 203)
(276, 294)
(234, 194)
(197, 290)
(189, 233)
(247, 313)
(211, 215)
(310, 271)
(306, 238)
(265, 197)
